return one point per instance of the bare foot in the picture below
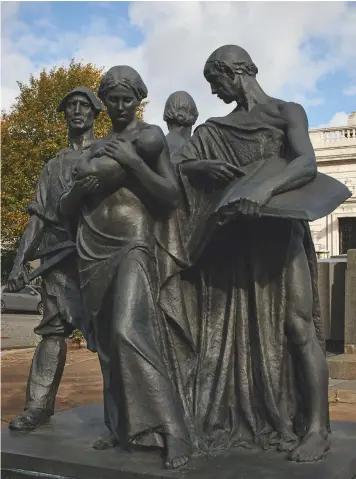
(282, 442)
(105, 442)
(313, 447)
(286, 445)
(176, 454)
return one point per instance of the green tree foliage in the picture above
(32, 132)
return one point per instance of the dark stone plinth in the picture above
(350, 303)
(62, 450)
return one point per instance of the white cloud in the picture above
(179, 36)
(339, 119)
(306, 101)
(351, 90)
(9, 11)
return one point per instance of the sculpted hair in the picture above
(234, 57)
(122, 75)
(180, 109)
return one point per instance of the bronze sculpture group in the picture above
(201, 303)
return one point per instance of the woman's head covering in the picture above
(180, 109)
(125, 76)
(83, 90)
(236, 58)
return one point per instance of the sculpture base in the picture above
(62, 450)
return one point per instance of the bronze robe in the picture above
(240, 388)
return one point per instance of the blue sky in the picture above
(68, 16)
(303, 50)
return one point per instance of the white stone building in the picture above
(335, 149)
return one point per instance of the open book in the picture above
(314, 200)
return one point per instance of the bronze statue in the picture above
(119, 250)
(260, 374)
(180, 114)
(205, 312)
(52, 238)
(199, 285)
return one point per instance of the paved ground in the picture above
(17, 330)
(82, 384)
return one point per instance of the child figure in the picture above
(148, 143)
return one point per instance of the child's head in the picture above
(180, 110)
(149, 145)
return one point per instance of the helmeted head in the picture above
(81, 107)
(180, 109)
(225, 69)
(122, 90)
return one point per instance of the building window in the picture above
(347, 234)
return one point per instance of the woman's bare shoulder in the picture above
(153, 129)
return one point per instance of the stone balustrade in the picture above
(333, 136)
